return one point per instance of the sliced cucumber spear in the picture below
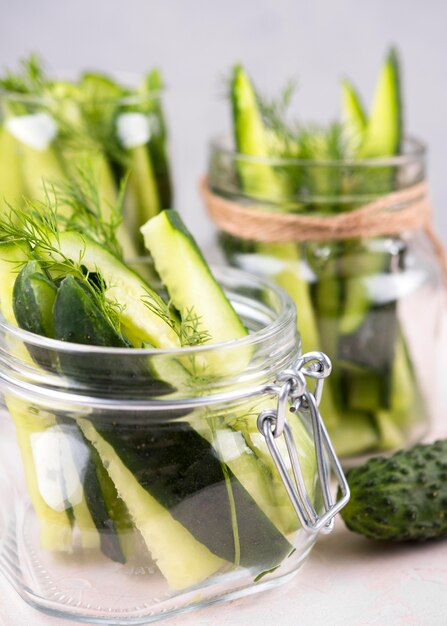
(383, 135)
(259, 180)
(353, 116)
(158, 148)
(33, 300)
(11, 178)
(251, 138)
(122, 285)
(55, 524)
(205, 497)
(192, 287)
(182, 559)
(77, 319)
(188, 279)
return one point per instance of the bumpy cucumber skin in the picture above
(78, 319)
(33, 299)
(402, 498)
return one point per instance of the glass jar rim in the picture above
(241, 367)
(414, 150)
(284, 318)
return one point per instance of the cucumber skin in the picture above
(250, 137)
(158, 142)
(93, 472)
(180, 469)
(77, 318)
(33, 299)
(401, 498)
(383, 135)
(189, 281)
(124, 286)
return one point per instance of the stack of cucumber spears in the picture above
(198, 505)
(48, 126)
(372, 399)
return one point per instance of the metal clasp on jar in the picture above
(293, 395)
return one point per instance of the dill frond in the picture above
(187, 328)
(323, 143)
(29, 79)
(86, 212)
(190, 332)
(39, 225)
(282, 132)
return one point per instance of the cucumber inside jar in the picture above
(49, 126)
(189, 484)
(348, 292)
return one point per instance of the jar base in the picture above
(86, 587)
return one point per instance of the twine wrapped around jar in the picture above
(391, 214)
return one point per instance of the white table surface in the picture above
(347, 581)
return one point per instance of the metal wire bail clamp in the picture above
(294, 394)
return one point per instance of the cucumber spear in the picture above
(377, 136)
(260, 180)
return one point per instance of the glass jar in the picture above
(139, 483)
(369, 302)
(79, 135)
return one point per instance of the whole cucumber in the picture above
(401, 498)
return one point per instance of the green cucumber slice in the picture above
(180, 470)
(353, 116)
(251, 138)
(122, 285)
(158, 142)
(11, 179)
(142, 183)
(188, 279)
(33, 300)
(181, 558)
(55, 528)
(13, 256)
(383, 135)
(98, 512)
(55, 525)
(78, 319)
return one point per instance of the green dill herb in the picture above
(39, 225)
(86, 213)
(187, 328)
(29, 79)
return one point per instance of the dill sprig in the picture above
(282, 132)
(323, 143)
(30, 79)
(79, 132)
(190, 331)
(187, 327)
(38, 224)
(86, 212)
(288, 137)
(84, 118)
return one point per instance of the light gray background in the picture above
(196, 41)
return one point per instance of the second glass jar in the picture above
(370, 303)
